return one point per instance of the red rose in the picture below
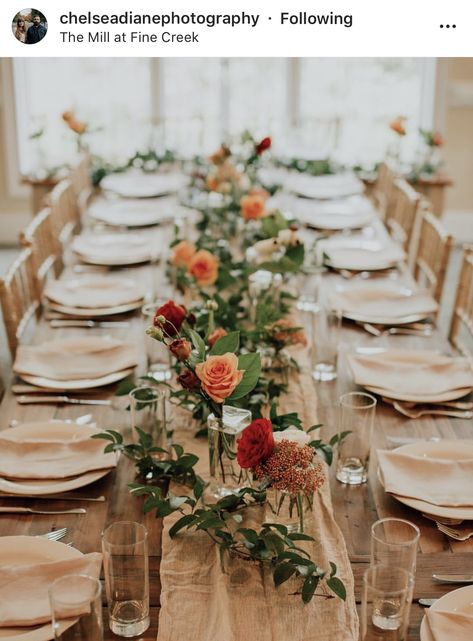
(263, 145)
(189, 380)
(255, 444)
(174, 316)
(181, 348)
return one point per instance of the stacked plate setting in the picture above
(114, 249)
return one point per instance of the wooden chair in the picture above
(401, 216)
(461, 328)
(433, 252)
(18, 297)
(80, 178)
(65, 219)
(383, 190)
(39, 235)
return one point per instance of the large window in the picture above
(311, 106)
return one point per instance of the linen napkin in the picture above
(414, 372)
(383, 302)
(75, 358)
(39, 458)
(94, 293)
(449, 626)
(362, 259)
(24, 589)
(442, 481)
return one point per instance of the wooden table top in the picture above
(356, 508)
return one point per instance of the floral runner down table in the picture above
(263, 382)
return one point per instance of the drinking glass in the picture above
(357, 411)
(394, 542)
(157, 354)
(125, 558)
(326, 325)
(384, 603)
(148, 413)
(76, 608)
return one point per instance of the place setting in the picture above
(136, 184)
(129, 212)
(114, 249)
(354, 212)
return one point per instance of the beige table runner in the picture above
(199, 601)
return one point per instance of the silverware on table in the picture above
(407, 330)
(435, 410)
(29, 510)
(54, 497)
(444, 520)
(56, 324)
(426, 602)
(29, 400)
(453, 578)
(453, 533)
(54, 535)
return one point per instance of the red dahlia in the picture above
(255, 444)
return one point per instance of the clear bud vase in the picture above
(226, 476)
(292, 510)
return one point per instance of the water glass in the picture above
(394, 542)
(126, 569)
(157, 354)
(357, 412)
(385, 603)
(326, 324)
(148, 413)
(76, 608)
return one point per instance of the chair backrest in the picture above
(18, 297)
(401, 217)
(383, 190)
(433, 252)
(65, 218)
(39, 235)
(461, 328)
(80, 178)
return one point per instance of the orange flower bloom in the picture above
(75, 125)
(259, 191)
(219, 376)
(219, 332)
(204, 267)
(437, 139)
(398, 125)
(253, 207)
(286, 331)
(220, 156)
(182, 253)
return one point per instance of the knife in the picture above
(54, 497)
(29, 400)
(453, 578)
(426, 602)
(87, 323)
(29, 510)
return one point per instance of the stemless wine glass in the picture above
(326, 324)
(384, 604)
(157, 354)
(357, 411)
(125, 558)
(148, 413)
(76, 608)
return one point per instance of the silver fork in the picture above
(458, 535)
(55, 535)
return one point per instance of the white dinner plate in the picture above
(133, 213)
(51, 430)
(95, 311)
(114, 249)
(139, 185)
(94, 292)
(25, 550)
(459, 449)
(460, 600)
(450, 395)
(337, 222)
(85, 383)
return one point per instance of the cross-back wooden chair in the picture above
(461, 328)
(18, 297)
(39, 235)
(383, 190)
(65, 218)
(433, 252)
(401, 216)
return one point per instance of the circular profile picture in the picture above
(29, 26)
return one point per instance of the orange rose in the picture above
(437, 139)
(219, 376)
(252, 207)
(215, 335)
(204, 267)
(398, 125)
(182, 253)
(259, 191)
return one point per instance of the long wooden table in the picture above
(356, 508)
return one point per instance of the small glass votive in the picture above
(157, 354)
(357, 412)
(126, 570)
(385, 603)
(148, 413)
(326, 324)
(76, 608)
